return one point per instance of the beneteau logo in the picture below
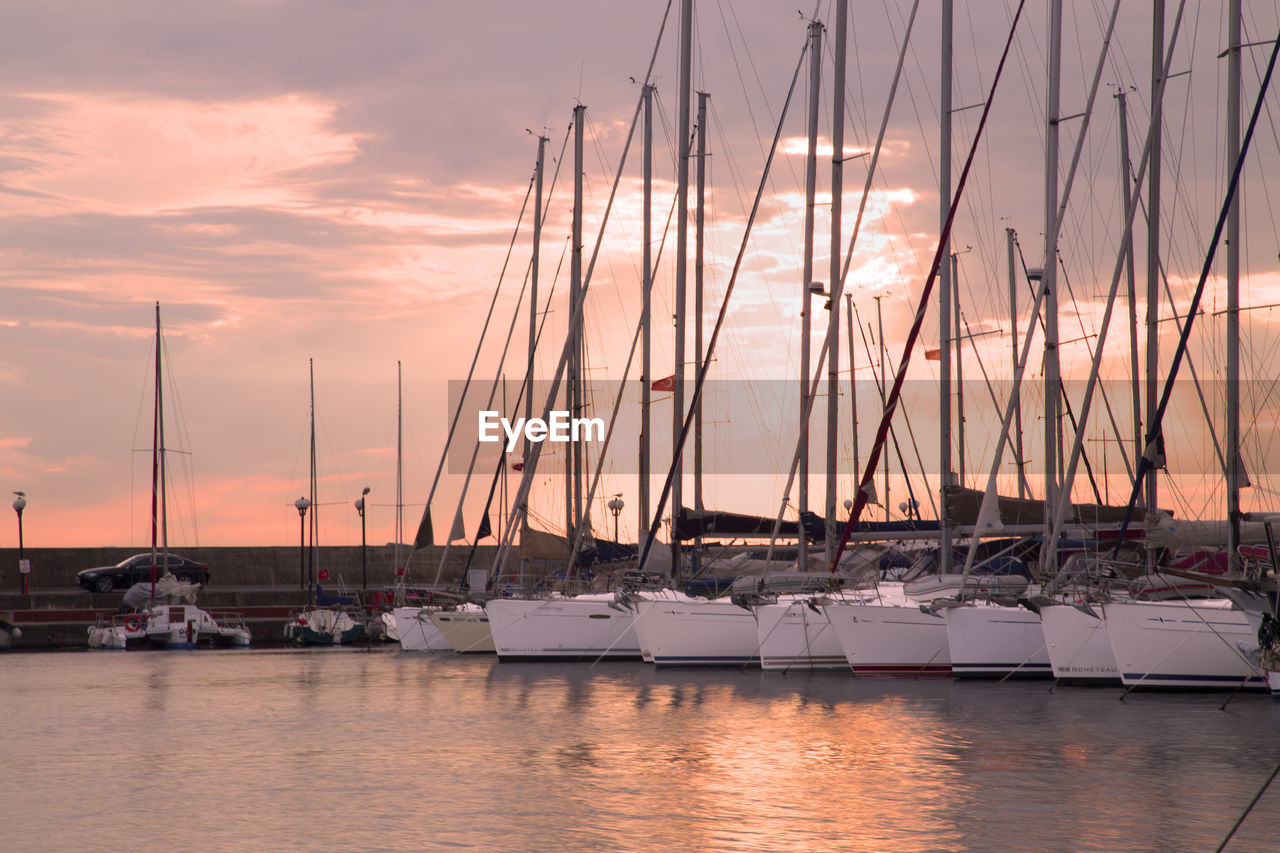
(558, 428)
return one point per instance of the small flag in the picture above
(933, 354)
(517, 466)
(425, 536)
(667, 384)
(323, 574)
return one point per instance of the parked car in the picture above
(137, 569)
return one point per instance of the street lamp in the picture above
(19, 504)
(302, 504)
(364, 561)
(615, 507)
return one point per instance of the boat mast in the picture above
(682, 254)
(1153, 241)
(1014, 391)
(699, 227)
(1235, 470)
(1052, 373)
(157, 457)
(836, 285)
(944, 296)
(573, 390)
(806, 282)
(1126, 186)
(315, 506)
(399, 463)
(955, 286)
(646, 352)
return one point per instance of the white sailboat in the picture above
(163, 613)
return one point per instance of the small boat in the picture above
(324, 626)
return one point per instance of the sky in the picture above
(337, 185)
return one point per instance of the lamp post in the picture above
(364, 561)
(302, 504)
(615, 506)
(19, 504)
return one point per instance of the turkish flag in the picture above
(667, 384)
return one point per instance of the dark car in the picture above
(137, 569)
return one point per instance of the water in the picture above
(384, 750)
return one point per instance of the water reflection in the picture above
(393, 751)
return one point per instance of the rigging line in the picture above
(893, 431)
(474, 359)
(575, 323)
(1146, 463)
(1249, 808)
(837, 290)
(715, 331)
(617, 406)
(860, 500)
(1106, 398)
(1062, 387)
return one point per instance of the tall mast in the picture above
(853, 387)
(1052, 375)
(955, 286)
(806, 322)
(1013, 335)
(1235, 470)
(573, 390)
(646, 353)
(682, 255)
(699, 225)
(1153, 239)
(533, 282)
(1126, 186)
(157, 455)
(944, 296)
(315, 505)
(835, 286)
(399, 463)
(884, 400)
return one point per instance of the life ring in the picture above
(133, 622)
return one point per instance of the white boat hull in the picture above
(1182, 645)
(990, 641)
(585, 628)
(417, 632)
(699, 632)
(466, 629)
(797, 635)
(891, 641)
(1079, 646)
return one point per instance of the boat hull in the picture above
(1079, 646)
(989, 641)
(466, 630)
(795, 635)
(698, 632)
(586, 628)
(417, 632)
(1196, 645)
(887, 641)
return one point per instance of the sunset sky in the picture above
(340, 182)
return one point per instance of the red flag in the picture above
(933, 355)
(323, 574)
(667, 384)
(517, 466)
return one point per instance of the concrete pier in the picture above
(261, 583)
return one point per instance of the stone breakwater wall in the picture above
(261, 583)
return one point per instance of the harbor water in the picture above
(386, 750)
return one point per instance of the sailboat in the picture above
(327, 620)
(164, 614)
